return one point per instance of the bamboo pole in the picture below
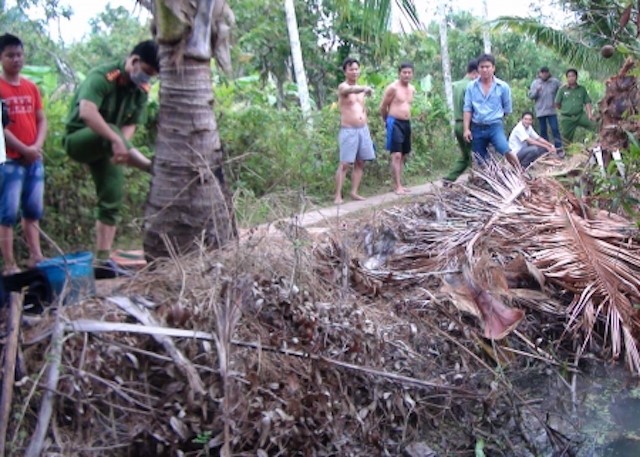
(46, 406)
(9, 368)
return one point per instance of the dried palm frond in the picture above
(586, 253)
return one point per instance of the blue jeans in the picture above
(483, 134)
(555, 130)
(21, 187)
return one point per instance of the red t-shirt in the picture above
(24, 102)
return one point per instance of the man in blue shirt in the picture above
(486, 101)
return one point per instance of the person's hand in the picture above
(368, 91)
(31, 154)
(467, 135)
(120, 153)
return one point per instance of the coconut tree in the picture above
(188, 202)
(592, 25)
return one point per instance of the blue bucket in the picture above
(73, 271)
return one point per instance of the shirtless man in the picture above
(354, 138)
(395, 110)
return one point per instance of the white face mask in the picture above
(140, 78)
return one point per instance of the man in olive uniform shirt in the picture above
(103, 116)
(572, 100)
(459, 87)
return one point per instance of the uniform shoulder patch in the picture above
(113, 75)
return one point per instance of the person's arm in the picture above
(128, 131)
(29, 153)
(541, 142)
(507, 106)
(389, 94)
(41, 127)
(466, 122)
(93, 119)
(534, 90)
(588, 109)
(559, 99)
(347, 89)
(467, 109)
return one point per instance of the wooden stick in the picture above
(86, 325)
(46, 406)
(9, 368)
(178, 357)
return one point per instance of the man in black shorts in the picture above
(395, 110)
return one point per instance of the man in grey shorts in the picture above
(354, 138)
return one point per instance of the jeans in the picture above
(493, 133)
(21, 187)
(552, 121)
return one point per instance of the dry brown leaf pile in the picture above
(349, 345)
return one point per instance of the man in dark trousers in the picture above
(543, 91)
(103, 116)
(459, 87)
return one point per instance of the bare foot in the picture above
(355, 196)
(401, 191)
(338, 201)
(33, 262)
(10, 270)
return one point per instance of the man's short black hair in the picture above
(348, 61)
(544, 69)
(148, 53)
(571, 70)
(404, 65)
(487, 58)
(9, 40)
(525, 113)
(472, 66)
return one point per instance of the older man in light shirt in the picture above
(525, 142)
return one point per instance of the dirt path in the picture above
(319, 220)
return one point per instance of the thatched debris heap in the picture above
(348, 345)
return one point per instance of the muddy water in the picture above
(607, 411)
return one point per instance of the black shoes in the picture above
(108, 269)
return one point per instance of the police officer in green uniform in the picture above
(459, 87)
(572, 100)
(103, 116)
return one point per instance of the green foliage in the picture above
(617, 191)
(114, 33)
(277, 162)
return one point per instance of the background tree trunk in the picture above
(486, 38)
(296, 54)
(188, 202)
(444, 52)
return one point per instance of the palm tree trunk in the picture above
(188, 202)
(296, 54)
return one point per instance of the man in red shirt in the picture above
(22, 176)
